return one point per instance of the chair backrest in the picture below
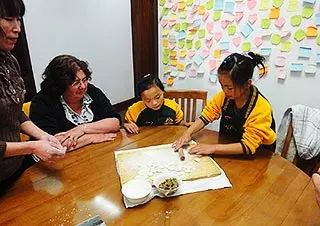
(187, 99)
(26, 110)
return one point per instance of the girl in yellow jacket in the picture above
(245, 113)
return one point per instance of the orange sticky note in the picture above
(274, 13)
(201, 10)
(165, 42)
(181, 5)
(183, 53)
(263, 71)
(180, 67)
(217, 53)
(174, 62)
(170, 81)
(312, 31)
(173, 53)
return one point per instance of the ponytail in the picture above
(258, 60)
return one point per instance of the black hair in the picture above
(12, 8)
(147, 82)
(241, 67)
(61, 72)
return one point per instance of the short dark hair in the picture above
(241, 67)
(61, 72)
(147, 82)
(12, 8)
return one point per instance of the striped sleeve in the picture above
(134, 111)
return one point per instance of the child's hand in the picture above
(131, 127)
(181, 141)
(187, 124)
(202, 149)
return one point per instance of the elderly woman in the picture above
(72, 109)
(16, 156)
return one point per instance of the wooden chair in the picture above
(184, 99)
(26, 110)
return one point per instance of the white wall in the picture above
(96, 31)
(295, 89)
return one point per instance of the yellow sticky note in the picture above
(183, 14)
(197, 44)
(275, 39)
(217, 53)
(165, 32)
(180, 67)
(190, 36)
(166, 70)
(202, 33)
(201, 10)
(177, 27)
(274, 13)
(312, 31)
(296, 20)
(165, 42)
(181, 5)
(277, 3)
(264, 5)
(170, 81)
(293, 5)
(285, 46)
(173, 53)
(246, 46)
(216, 15)
(307, 12)
(232, 29)
(173, 16)
(183, 53)
(299, 35)
(184, 26)
(265, 23)
(174, 62)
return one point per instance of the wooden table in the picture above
(267, 190)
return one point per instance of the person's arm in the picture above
(130, 119)
(219, 149)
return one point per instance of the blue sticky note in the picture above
(246, 30)
(213, 76)
(266, 51)
(218, 5)
(198, 60)
(297, 67)
(182, 35)
(224, 46)
(309, 1)
(304, 52)
(317, 18)
(318, 58)
(196, 23)
(229, 7)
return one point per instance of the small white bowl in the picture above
(161, 178)
(136, 190)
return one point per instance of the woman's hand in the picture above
(47, 150)
(102, 137)
(131, 127)
(202, 149)
(70, 137)
(181, 141)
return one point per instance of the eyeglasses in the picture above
(77, 83)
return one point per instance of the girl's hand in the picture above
(202, 149)
(131, 127)
(181, 141)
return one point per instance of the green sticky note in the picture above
(209, 4)
(265, 23)
(189, 2)
(299, 35)
(216, 15)
(277, 3)
(197, 44)
(318, 40)
(296, 20)
(177, 27)
(164, 12)
(162, 2)
(166, 52)
(232, 29)
(246, 46)
(307, 12)
(275, 39)
(165, 60)
(189, 44)
(184, 26)
(202, 33)
(181, 44)
(285, 46)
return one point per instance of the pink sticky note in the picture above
(205, 53)
(280, 61)
(191, 53)
(252, 18)
(194, 9)
(212, 65)
(238, 16)
(282, 74)
(257, 41)
(174, 7)
(218, 36)
(210, 26)
(280, 22)
(172, 46)
(172, 22)
(164, 23)
(197, 2)
(251, 4)
(224, 23)
(209, 43)
(193, 73)
(205, 16)
(236, 41)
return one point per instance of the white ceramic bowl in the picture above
(136, 190)
(161, 178)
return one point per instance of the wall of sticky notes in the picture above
(96, 31)
(196, 35)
